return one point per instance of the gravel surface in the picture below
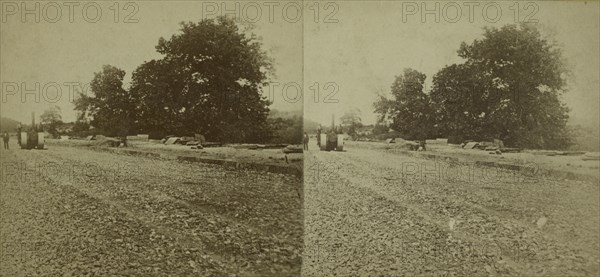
(69, 211)
(371, 212)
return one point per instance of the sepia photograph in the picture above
(461, 140)
(299, 138)
(149, 139)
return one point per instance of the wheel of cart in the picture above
(24, 144)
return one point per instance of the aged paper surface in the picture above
(299, 138)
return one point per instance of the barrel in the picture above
(40, 140)
(23, 140)
(323, 141)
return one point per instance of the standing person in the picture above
(305, 141)
(5, 138)
(19, 133)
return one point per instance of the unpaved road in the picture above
(74, 212)
(369, 212)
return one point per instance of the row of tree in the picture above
(509, 88)
(208, 81)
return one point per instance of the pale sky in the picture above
(361, 49)
(63, 52)
(371, 45)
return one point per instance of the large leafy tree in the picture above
(509, 88)
(51, 119)
(352, 120)
(459, 112)
(286, 129)
(408, 110)
(209, 81)
(111, 107)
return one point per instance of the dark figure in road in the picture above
(19, 134)
(305, 141)
(124, 141)
(422, 145)
(5, 138)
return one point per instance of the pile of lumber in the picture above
(292, 149)
(591, 156)
(494, 147)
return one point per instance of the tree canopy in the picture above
(509, 87)
(409, 109)
(352, 120)
(110, 105)
(209, 81)
(51, 119)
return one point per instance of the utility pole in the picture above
(333, 122)
(33, 121)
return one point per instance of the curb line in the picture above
(227, 163)
(530, 168)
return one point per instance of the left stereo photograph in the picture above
(151, 138)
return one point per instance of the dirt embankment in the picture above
(231, 156)
(565, 167)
